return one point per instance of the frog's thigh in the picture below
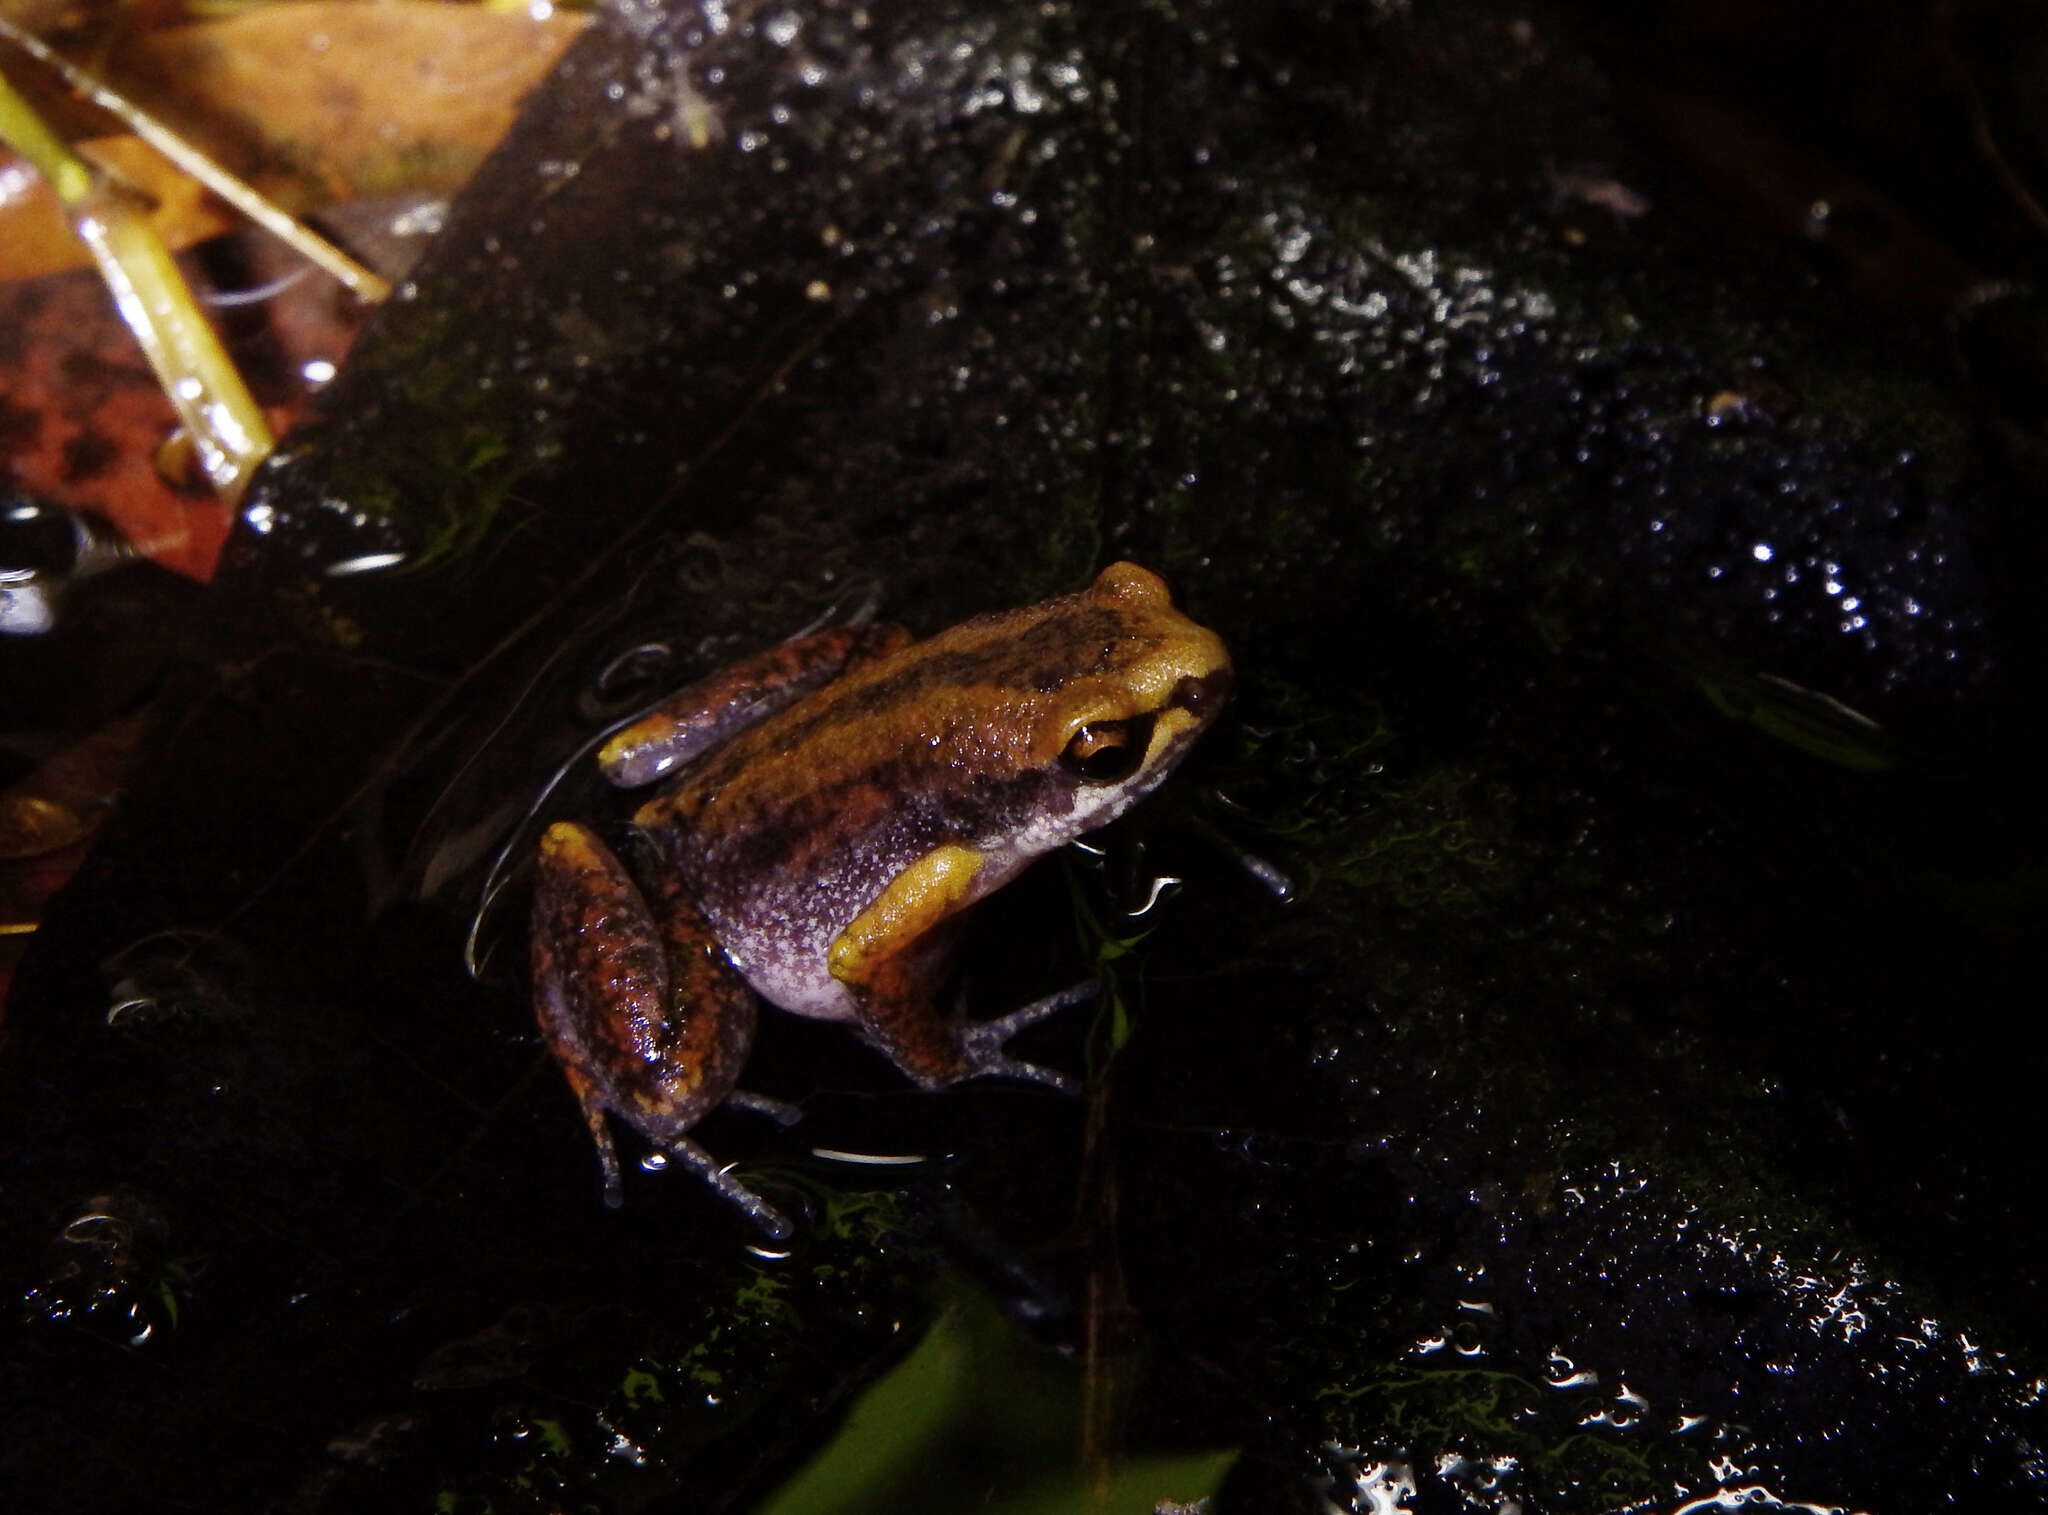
(643, 1011)
(698, 718)
(893, 956)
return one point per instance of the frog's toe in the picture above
(982, 1042)
(1003, 1027)
(608, 1162)
(781, 1111)
(771, 1220)
(1001, 1066)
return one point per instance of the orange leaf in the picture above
(83, 417)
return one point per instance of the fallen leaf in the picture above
(327, 100)
(81, 418)
(311, 102)
(35, 239)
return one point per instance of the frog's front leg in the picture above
(894, 959)
(644, 1013)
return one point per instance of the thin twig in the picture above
(237, 192)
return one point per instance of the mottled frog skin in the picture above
(835, 806)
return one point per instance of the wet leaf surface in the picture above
(39, 240)
(85, 419)
(330, 101)
(312, 102)
(1634, 1107)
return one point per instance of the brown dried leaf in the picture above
(35, 238)
(327, 99)
(83, 416)
(312, 102)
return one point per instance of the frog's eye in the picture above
(1106, 751)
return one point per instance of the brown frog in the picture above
(840, 802)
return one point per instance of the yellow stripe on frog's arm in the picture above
(917, 899)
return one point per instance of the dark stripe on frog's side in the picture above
(867, 827)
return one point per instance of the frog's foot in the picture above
(648, 1020)
(759, 1211)
(781, 1111)
(694, 1157)
(982, 1042)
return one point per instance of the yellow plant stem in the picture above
(218, 412)
(24, 131)
(237, 192)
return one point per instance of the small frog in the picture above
(838, 804)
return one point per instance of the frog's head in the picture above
(1111, 688)
(1124, 725)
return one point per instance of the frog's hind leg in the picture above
(695, 719)
(647, 1017)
